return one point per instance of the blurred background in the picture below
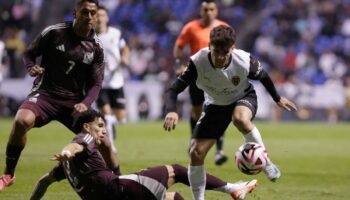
(303, 44)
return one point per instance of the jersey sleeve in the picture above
(94, 84)
(35, 49)
(186, 78)
(184, 36)
(256, 72)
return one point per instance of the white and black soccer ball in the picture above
(251, 158)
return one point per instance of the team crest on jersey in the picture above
(88, 57)
(235, 80)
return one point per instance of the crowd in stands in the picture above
(304, 44)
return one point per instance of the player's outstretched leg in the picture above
(271, 170)
(238, 190)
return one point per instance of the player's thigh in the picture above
(213, 122)
(152, 181)
(43, 108)
(246, 107)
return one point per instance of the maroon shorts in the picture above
(47, 109)
(148, 184)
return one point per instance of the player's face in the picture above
(98, 130)
(102, 18)
(220, 56)
(209, 11)
(86, 15)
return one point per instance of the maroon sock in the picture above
(182, 177)
(13, 152)
(178, 196)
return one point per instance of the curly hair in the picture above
(222, 36)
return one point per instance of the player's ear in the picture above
(86, 127)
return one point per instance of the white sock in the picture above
(197, 178)
(254, 136)
(110, 122)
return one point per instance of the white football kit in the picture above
(112, 44)
(223, 86)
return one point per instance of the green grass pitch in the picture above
(314, 158)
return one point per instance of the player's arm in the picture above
(256, 72)
(55, 175)
(124, 53)
(187, 77)
(178, 50)
(33, 51)
(41, 186)
(68, 152)
(93, 84)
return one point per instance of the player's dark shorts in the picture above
(148, 184)
(114, 97)
(215, 119)
(47, 108)
(196, 95)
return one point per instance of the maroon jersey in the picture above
(87, 172)
(74, 66)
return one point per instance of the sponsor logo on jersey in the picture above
(61, 48)
(235, 80)
(88, 57)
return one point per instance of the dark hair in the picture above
(103, 8)
(209, 1)
(85, 117)
(222, 36)
(79, 2)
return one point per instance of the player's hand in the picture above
(36, 70)
(63, 156)
(180, 69)
(170, 121)
(286, 104)
(78, 108)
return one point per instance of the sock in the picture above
(178, 196)
(197, 179)
(110, 122)
(254, 136)
(219, 144)
(13, 152)
(212, 182)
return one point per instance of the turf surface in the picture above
(314, 158)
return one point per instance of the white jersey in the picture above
(223, 86)
(112, 44)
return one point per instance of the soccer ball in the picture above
(251, 158)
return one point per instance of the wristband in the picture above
(178, 61)
(66, 153)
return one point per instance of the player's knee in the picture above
(241, 123)
(24, 121)
(196, 154)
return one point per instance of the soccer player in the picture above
(223, 73)
(111, 100)
(85, 170)
(67, 81)
(196, 34)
